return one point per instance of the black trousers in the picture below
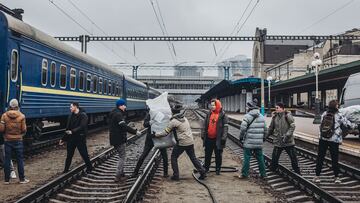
(147, 148)
(292, 154)
(177, 151)
(80, 144)
(210, 147)
(334, 153)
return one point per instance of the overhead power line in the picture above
(237, 32)
(98, 27)
(82, 27)
(163, 30)
(328, 15)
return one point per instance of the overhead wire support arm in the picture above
(211, 38)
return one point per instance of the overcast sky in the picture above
(185, 17)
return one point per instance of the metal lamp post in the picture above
(316, 64)
(269, 78)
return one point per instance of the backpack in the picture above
(327, 126)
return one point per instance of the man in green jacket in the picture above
(282, 128)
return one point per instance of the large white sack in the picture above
(160, 112)
(352, 113)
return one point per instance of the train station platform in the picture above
(308, 132)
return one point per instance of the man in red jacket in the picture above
(214, 134)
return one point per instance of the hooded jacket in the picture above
(182, 128)
(13, 125)
(118, 128)
(221, 126)
(253, 135)
(282, 127)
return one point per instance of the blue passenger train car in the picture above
(45, 75)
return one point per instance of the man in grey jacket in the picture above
(282, 127)
(252, 133)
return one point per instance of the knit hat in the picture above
(253, 104)
(281, 105)
(120, 102)
(14, 103)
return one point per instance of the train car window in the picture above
(52, 74)
(88, 82)
(109, 90)
(105, 86)
(14, 65)
(117, 89)
(44, 72)
(95, 83)
(100, 85)
(63, 76)
(81, 80)
(113, 88)
(72, 78)
(120, 90)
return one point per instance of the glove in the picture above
(138, 133)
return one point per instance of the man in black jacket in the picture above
(118, 136)
(75, 136)
(149, 144)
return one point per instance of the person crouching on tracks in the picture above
(118, 136)
(282, 127)
(185, 141)
(75, 136)
(149, 144)
(214, 135)
(331, 137)
(252, 132)
(13, 125)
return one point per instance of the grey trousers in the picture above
(2, 158)
(122, 157)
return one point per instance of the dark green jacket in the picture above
(282, 128)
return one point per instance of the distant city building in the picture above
(240, 66)
(188, 71)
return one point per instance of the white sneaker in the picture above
(24, 181)
(316, 179)
(337, 180)
(13, 175)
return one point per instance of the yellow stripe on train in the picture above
(63, 92)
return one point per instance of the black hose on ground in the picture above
(207, 187)
(228, 169)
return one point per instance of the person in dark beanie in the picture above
(118, 136)
(75, 136)
(149, 144)
(331, 137)
(13, 125)
(185, 141)
(282, 127)
(214, 135)
(252, 132)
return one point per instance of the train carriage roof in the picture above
(130, 79)
(37, 35)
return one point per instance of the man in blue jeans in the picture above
(13, 125)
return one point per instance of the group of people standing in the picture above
(253, 133)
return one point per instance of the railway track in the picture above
(98, 185)
(297, 188)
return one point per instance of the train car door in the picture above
(14, 72)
